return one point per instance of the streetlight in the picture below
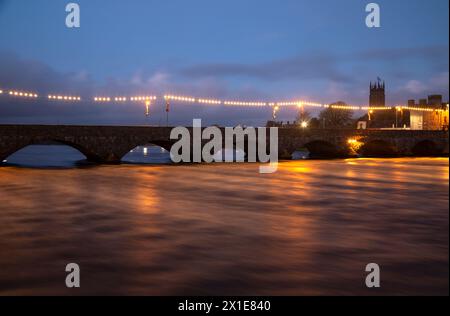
(398, 109)
(167, 111)
(276, 108)
(370, 118)
(147, 108)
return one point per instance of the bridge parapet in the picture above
(108, 144)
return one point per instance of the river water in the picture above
(224, 229)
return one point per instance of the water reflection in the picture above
(225, 229)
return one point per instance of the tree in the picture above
(336, 118)
(303, 116)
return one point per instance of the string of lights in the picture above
(14, 93)
(240, 103)
(63, 98)
(207, 101)
(179, 98)
(143, 98)
(102, 99)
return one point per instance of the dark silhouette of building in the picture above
(380, 118)
(377, 94)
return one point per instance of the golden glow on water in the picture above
(301, 169)
(309, 228)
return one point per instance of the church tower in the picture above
(377, 94)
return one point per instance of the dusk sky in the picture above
(254, 50)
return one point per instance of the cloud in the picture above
(441, 80)
(322, 77)
(421, 88)
(28, 74)
(435, 53)
(33, 76)
(415, 87)
(321, 66)
(318, 66)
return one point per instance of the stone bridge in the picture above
(108, 144)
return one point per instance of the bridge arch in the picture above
(148, 152)
(426, 148)
(378, 148)
(19, 146)
(320, 149)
